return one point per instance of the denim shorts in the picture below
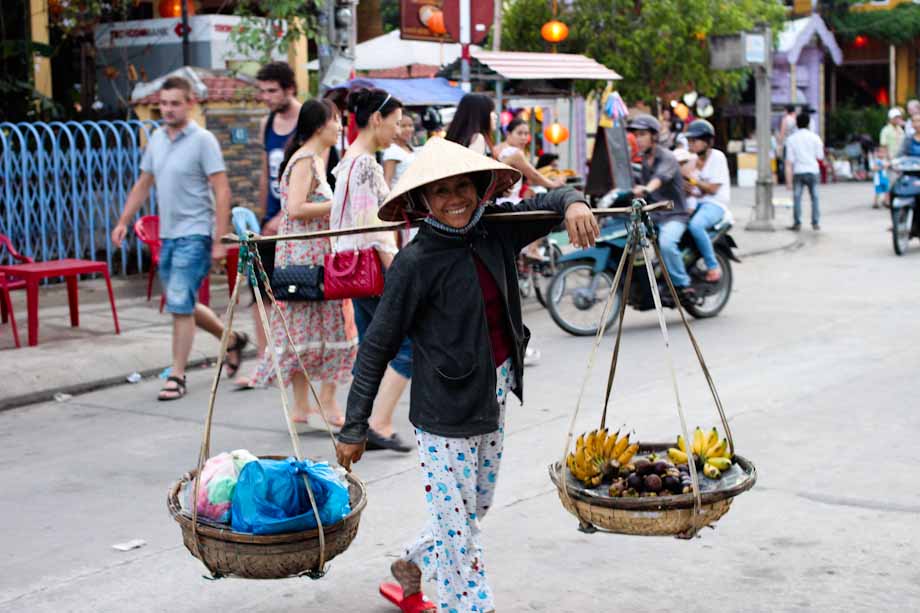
(184, 263)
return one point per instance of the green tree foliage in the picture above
(257, 38)
(660, 47)
(895, 26)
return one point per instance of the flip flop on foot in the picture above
(414, 603)
(172, 392)
(713, 275)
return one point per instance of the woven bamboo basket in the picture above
(655, 516)
(277, 556)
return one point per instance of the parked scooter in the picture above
(578, 292)
(905, 203)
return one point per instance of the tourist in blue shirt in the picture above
(183, 161)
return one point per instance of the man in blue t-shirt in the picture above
(185, 164)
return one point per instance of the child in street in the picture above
(880, 176)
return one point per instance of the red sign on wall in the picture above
(410, 20)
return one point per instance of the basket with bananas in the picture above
(615, 484)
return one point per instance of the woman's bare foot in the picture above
(713, 275)
(408, 575)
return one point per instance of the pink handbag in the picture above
(352, 274)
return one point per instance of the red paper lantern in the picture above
(173, 8)
(556, 133)
(860, 41)
(554, 31)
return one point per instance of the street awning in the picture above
(510, 65)
(412, 92)
(390, 51)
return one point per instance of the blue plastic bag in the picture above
(270, 497)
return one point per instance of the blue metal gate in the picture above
(63, 186)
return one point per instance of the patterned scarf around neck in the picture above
(434, 223)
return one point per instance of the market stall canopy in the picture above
(798, 34)
(412, 92)
(507, 65)
(390, 51)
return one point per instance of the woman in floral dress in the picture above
(324, 333)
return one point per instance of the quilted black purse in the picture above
(298, 283)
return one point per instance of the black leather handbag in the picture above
(298, 283)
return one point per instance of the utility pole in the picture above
(763, 211)
(465, 35)
(186, 55)
(497, 27)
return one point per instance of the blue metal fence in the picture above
(63, 186)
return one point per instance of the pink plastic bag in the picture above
(218, 479)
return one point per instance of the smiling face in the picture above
(453, 200)
(386, 128)
(329, 133)
(520, 136)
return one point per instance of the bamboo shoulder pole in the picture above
(232, 239)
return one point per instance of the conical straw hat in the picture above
(440, 159)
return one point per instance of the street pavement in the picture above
(815, 359)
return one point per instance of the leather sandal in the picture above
(172, 393)
(242, 339)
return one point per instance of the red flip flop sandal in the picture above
(416, 603)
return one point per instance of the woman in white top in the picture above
(360, 189)
(398, 156)
(511, 152)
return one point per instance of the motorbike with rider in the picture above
(699, 269)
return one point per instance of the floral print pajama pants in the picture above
(459, 476)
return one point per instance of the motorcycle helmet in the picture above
(701, 128)
(644, 122)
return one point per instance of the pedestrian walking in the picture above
(277, 91)
(474, 123)
(786, 129)
(323, 331)
(398, 156)
(449, 290)
(892, 133)
(880, 180)
(803, 151)
(359, 191)
(184, 162)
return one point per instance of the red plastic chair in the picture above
(147, 229)
(8, 284)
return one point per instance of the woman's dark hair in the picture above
(364, 102)
(314, 114)
(546, 159)
(517, 121)
(473, 116)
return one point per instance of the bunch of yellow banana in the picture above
(708, 450)
(598, 455)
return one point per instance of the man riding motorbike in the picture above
(712, 190)
(660, 179)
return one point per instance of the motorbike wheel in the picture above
(542, 277)
(717, 294)
(572, 305)
(902, 220)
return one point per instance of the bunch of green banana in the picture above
(709, 452)
(598, 456)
